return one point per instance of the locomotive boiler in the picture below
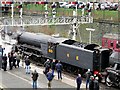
(74, 55)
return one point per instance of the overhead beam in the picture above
(29, 21)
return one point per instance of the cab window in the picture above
(50, 44)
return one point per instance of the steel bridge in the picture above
(29, 21)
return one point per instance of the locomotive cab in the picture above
(52, 50)
(52, 45)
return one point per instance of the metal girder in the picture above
(29, 21)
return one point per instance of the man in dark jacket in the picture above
(27, 63)
(59, 69)
(96, 84)
(50, 77)
(53, 66)
(47, 66)
(10, 61)
(88, 74)
(14, 59)
(34, 78)
(91, 83)
(78, 81)
(4, 58)
(18, 57)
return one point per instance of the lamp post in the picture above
(90, 30)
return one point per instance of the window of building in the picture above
(105, 42)
(111, 43)
(118, 44)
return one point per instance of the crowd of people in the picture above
(50, 67)
(91, 81)
(14, 59)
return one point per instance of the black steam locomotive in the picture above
(74, 55)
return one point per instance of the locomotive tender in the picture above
(74, 55)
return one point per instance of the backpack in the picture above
(34, 76)
(50, 76)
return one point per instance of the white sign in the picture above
(90, 29)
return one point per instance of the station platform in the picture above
(17, 78)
